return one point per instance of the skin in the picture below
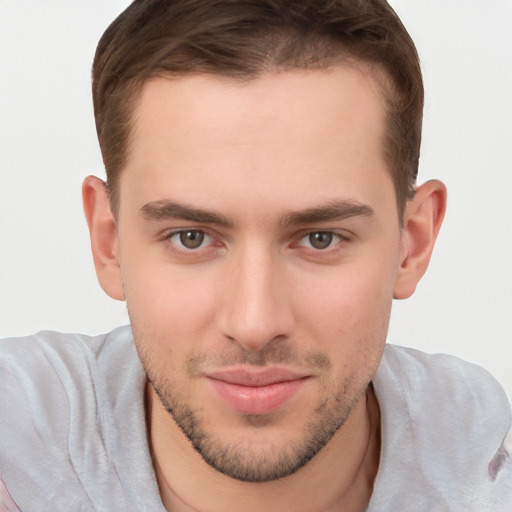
(295, 254)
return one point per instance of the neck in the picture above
(339, 477)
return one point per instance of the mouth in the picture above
(256, 392)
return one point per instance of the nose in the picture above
(255, 301)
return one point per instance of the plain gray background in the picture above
(48, 145)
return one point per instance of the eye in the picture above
(190, 239)
(320, 240)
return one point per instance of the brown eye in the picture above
(191, 239)
(320, 239)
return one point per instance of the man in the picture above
(260, 214)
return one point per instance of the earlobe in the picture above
(103, 234)
(423, 218)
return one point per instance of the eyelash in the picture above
(188, 251)
(337, 237)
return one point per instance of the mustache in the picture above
(271, 354)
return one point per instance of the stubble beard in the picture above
(252, 462)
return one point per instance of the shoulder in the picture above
(55, 346)
(53, 360)
(441, 378)
(444, 422)
(51, 375)
(57, 407)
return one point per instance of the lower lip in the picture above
(256, 400)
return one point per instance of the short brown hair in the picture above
(244, 38)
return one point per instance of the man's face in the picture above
(259, 244)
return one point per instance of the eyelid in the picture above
(341, 233)
(167, 235)
(342, 236)
(169, 232)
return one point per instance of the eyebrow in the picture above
(335, 210)
(163, 210)
(332, 211)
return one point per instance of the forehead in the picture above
(285, 98)
(282, 132)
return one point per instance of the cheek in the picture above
(352, 295)
(166, 327)
(350, 322)
(169, 307)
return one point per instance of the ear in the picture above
(103, 233)
(424, 215)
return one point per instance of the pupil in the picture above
(192, 239)
(320, 240)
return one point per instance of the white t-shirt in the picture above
(73, 433)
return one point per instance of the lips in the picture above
(256, 392)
